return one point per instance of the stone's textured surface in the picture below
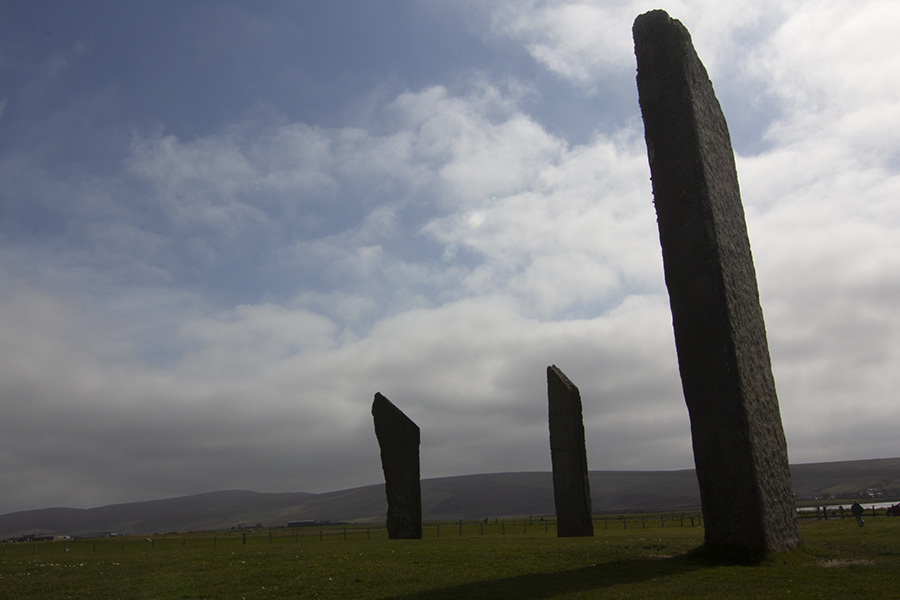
(739, 446)
(571, 487)
(399, 438)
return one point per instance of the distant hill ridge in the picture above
(446, 498)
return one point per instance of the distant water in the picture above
(866, 505)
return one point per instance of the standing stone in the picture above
(571, 487)
(726, 375)
(398, 438)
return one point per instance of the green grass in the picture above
(836, 559)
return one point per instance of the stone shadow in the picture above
(538, 586)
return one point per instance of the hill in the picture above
(447, 498)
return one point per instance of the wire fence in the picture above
(334, 533)
(359, 532)
(839, 512)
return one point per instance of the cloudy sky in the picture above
(225, 225)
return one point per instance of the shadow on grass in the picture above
(547, 585)
(538, 586)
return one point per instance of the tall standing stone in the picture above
(571, 487)
(726, 375)
(398, 438)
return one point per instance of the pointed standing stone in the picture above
(398, 438)
(571, 487)
(723, 356)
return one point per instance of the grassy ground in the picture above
(521, 561)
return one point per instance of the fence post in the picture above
(244, 539)
(345, 534)
(624, 523)
(460, 528)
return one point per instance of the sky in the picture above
(224, 226)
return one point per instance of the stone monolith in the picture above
(398, 438)
(571, 487)
(739, 446)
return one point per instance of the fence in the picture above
(836, 512)
(331, 533)
(357, 532)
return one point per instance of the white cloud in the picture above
(563, 227)
(820, 200)
(832, 55)
(824, 220)
(239, 342)
(271, 392)
(582, 234)
(587, 41)
(577, 41)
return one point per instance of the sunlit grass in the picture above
(512, 560)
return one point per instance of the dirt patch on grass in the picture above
(841, 562)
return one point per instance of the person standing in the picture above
(857, 511)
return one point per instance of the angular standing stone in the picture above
(398, 438)
(739, 445)
(571, 487)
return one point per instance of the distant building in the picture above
(308, 523)
(33, 537)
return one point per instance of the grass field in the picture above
(512, 560)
